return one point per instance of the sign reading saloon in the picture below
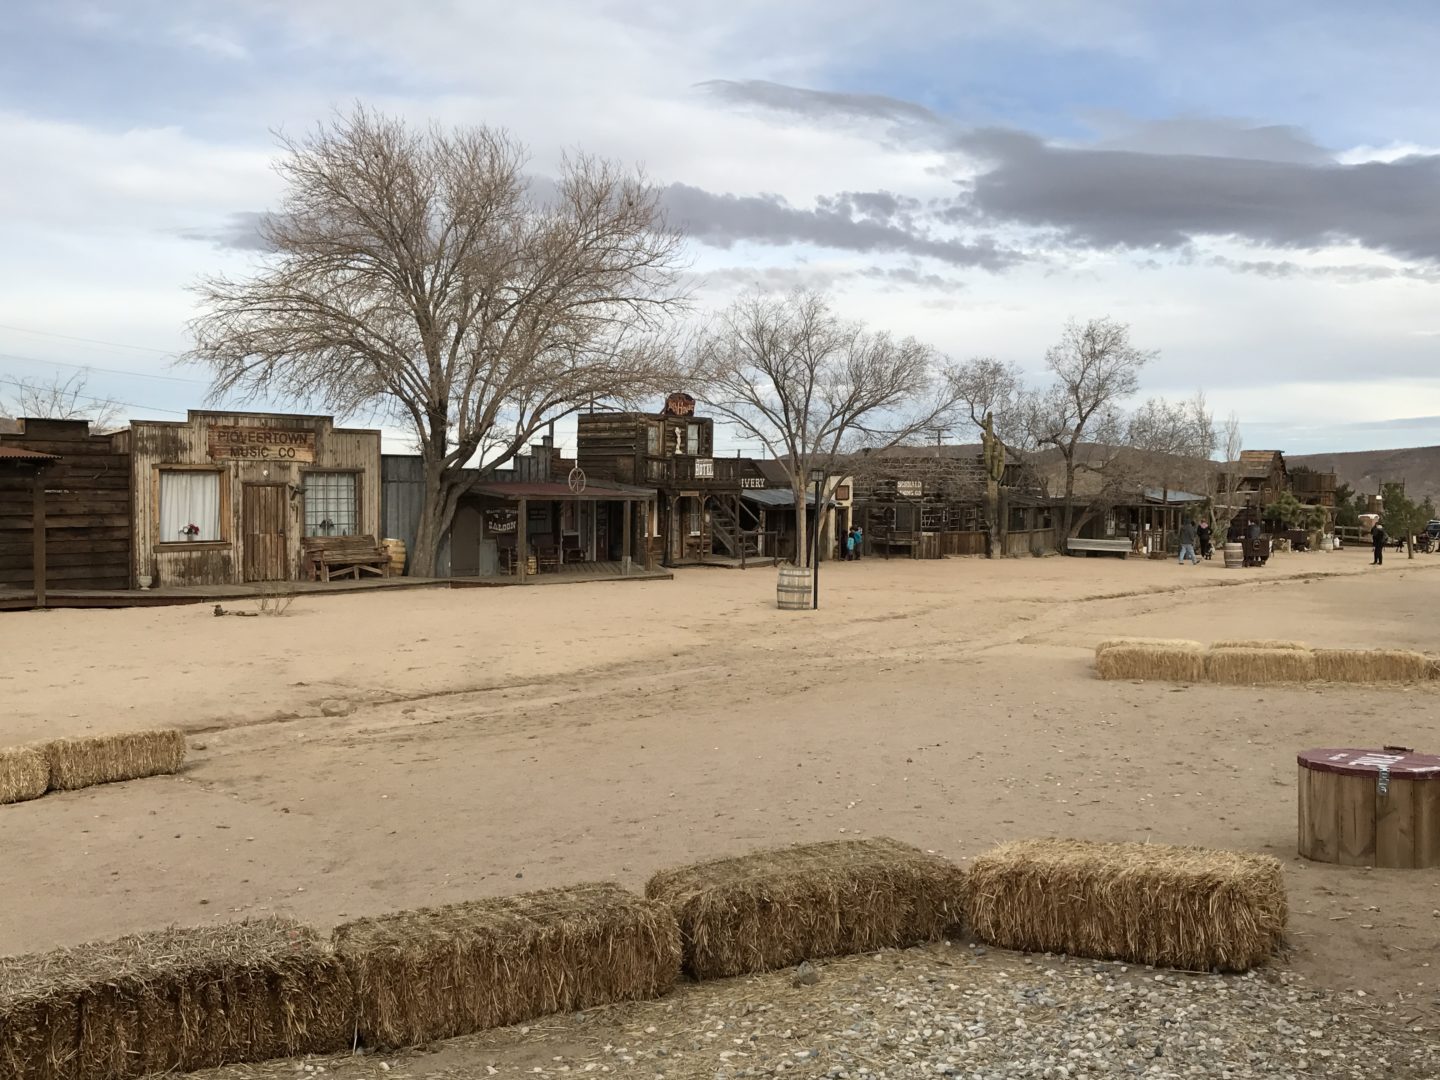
(261, 444)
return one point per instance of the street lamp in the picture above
(817, 477)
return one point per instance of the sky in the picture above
(1254, 188)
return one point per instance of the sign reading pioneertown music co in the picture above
(261, 444)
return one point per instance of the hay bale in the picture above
(85, 760)
(1259, 643)
(1182, 907)
(1244, 667)
(24, 774)
(1172, 662)
(1176, 643)
(173, 1000)
(1371, 665)
(441, 972)
(776, 908)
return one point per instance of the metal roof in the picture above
(16, 453)
(779, 497)
(1160, 496)
(554, 489)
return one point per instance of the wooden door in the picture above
(263, 514)
(465, 541)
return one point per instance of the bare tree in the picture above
(62, 398)
(418, 273)
(1225, 486)
(1179, 437)
(1095, 367)
(810, 386)
(985, 387)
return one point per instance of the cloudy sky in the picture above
(1255, 188)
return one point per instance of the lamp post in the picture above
(817, 477)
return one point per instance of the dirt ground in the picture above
(510, 739)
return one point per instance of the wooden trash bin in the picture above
(1370, 807)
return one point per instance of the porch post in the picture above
(625, 544)
(37, 524)
(522, 544)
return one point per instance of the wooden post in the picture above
(625, 544)
(37, 524)
(522, 544)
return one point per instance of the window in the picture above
(331, 508)
(652, 439)
(692, 439)
(694, 517)
(189, 506)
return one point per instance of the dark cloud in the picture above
(836, 222)
(818, 104)
(240, 232)
(1219, 137)
(1160, 185)
(1355, 272)
(1108, 198)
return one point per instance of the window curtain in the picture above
(189, 498)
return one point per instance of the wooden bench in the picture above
(331, 557)
(1077, 544)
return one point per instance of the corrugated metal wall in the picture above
(402, 492)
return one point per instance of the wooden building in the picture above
(230, 497)
(672, 453)
(1148, 518)
(82, 499)
(1261, 477)
(927, 505)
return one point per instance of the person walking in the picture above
(1379, 539)
(859, 542)
(1203, 534)
(850, 544)
(1187, 543)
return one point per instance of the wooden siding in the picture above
(157, 444)
(87, 509)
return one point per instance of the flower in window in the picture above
(191, 530)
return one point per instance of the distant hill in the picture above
(1366, 470)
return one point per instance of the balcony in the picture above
(695, 472)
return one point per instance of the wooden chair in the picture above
(571, 549)
(547, 555)
(505, 554)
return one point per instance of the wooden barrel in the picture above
(792, 592)
(396, 550)
(1234, 556)
(1370, 807)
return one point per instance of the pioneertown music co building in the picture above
(230, 497)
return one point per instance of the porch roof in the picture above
(560, 492)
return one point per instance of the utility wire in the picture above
(86, 340)
(92, 367)
(100, 401)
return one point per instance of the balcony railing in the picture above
(697, 471)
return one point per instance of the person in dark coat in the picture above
(1187, 543)
(1202, 534)
(1379, 539)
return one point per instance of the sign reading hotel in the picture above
(261, 444)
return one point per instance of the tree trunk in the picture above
(802, 527)
(1067, 512)
(437, 513)
(992, 513)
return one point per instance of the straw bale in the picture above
(24, 774)
(1371, 665)
(1174, 643)
(1182, 907)
(441, 972)
(102, 759)
(1259, 643)
(173, 1000)
(1171, 662)
(1244, 667)
(775, 908)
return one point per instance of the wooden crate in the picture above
(1370, 807)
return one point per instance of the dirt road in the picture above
(511, 739)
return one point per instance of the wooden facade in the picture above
(86, 498)
(698, 507)
(262, 482)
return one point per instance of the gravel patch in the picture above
(946, 1011)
